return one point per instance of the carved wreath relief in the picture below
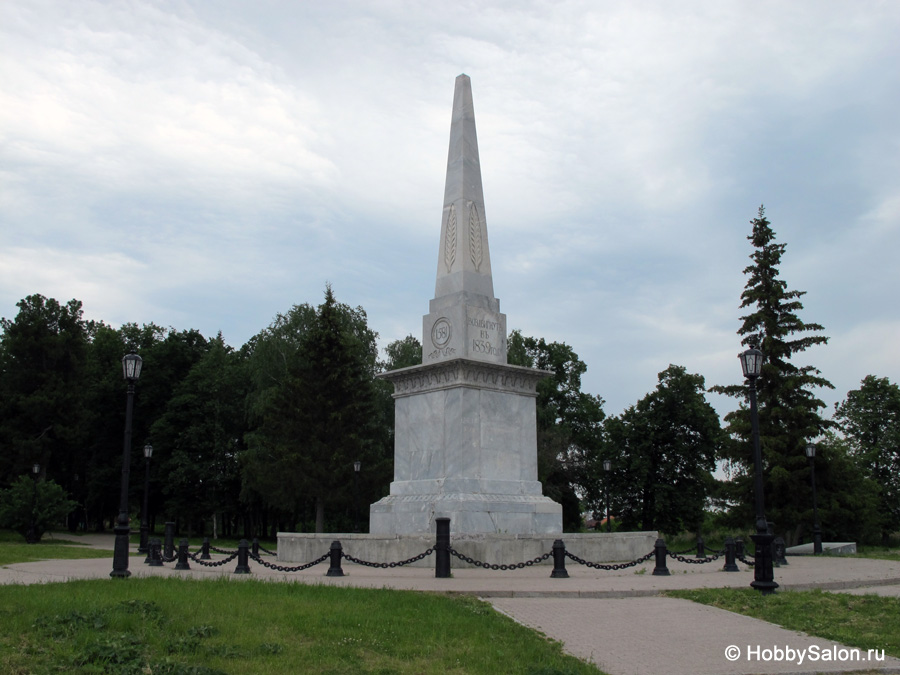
(476, 246)
(450, 239)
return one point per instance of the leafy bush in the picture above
(30, 507)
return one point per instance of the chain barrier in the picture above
(614, 566)
(408, 561)
(751, 562)
(217, 563)
(695, 561)
(283, 568)
(222, 551)
(488, 566)
(266, 551)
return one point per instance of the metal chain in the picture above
(487, 566)
(751, 562)
(617, 566)
(218, 563)
(694, 561)
(222, 551)
(408, 561)
(266, 551)
(282, 568)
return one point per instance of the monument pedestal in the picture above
(465, 448)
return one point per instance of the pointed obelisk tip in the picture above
(464, 320)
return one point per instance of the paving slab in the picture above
(636, 636)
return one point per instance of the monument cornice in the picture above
(465, 373)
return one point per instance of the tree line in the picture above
(293, 431)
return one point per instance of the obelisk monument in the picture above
(465, 428)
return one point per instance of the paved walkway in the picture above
(615, 619)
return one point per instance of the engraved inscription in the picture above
(485, 337)
(441, 332)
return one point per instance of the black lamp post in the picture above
(145, 516)
(607, 465)
(763, 574)
(817, 531)
(31, 537)
(357, 465)
(131, 368)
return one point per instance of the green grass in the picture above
(210, 627)
(864, 621)
(876, 552)
(13, 549)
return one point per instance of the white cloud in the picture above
(210, 164)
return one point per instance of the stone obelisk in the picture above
(465, 429)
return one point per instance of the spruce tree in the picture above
(788, 406)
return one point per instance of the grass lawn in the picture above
(13, 549)
(877, 552)
(864, 621)
(209, 627)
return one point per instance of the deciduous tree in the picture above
(664, 451)
(569, 422)
(870, 420)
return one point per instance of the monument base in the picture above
(494, 549)
(471, 513)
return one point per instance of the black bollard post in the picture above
(204, 552)
(337, 552)
(442, 549)
(243, 566)
(730, 564)
(739, 548)
(255, 547)
(182, 563)
(559, 561)
(660, 548)
(701, 547)
(779, 548)
(155, 553)
(170, 540)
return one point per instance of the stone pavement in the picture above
(615, 619)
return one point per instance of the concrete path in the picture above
(615, 619)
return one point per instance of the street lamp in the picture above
(357, 465)
(31, 537)
(607, 465)
(145, 517)
(131, 368)
(763, 574)
(817, 531)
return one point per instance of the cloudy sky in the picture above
(207, 164)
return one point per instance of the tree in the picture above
(202, 434)
(788, 406)
(402, 354)
(870, 420)
(569, 422)
(664, 451)
(42, 404)
(30, 507)
(168, 355)
(319, 413)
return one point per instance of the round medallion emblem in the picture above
(440, 333)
